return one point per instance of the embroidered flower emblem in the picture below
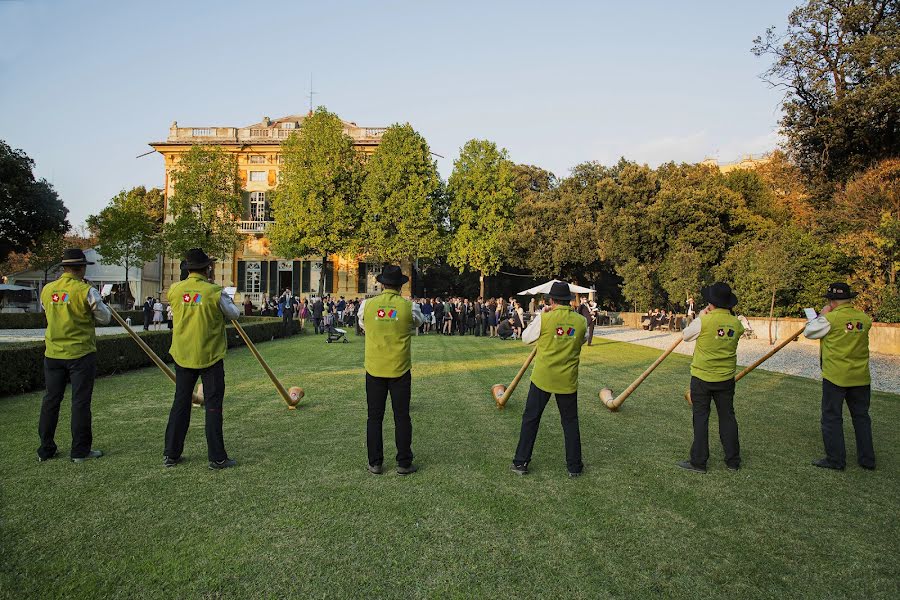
(186, 297)
(380, 313)
(559, 331)
(55, 297)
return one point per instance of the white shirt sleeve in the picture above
(817, 328)
(359, 315)
(692, 331)
(417, 316)
(533, 331)
(228, 308)
(101, 312)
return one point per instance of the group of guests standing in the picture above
(156, 314)
(321, 313)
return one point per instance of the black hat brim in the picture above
(566, 297)
(729, 302)
(198, 265)
(849, 296)
(391, 282)
(76, 263)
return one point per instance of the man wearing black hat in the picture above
(72, 307)
(716, 331)
(843, 332)
(199, 312)
(389, 320)
(559, 333)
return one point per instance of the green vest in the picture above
(198, 326)
(388, 321)
(715, 355)
(70, 322)
(558, 351)
(845, 349)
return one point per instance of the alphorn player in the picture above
(559, 332)
(199, 312)
(72, 307)
(843, 332)
(389, 320)
(716, 331)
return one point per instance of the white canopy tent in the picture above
(544, 288)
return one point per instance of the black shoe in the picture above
(171, 462)
(519, 469)
(689, 466)
(574, 474)
(54, 455)
(868, 467)
(824, 463)
(375, 469)
(733, 467)
(90, 454)
(407, 470)
(216, 465)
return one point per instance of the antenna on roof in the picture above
(311, 93)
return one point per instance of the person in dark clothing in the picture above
(148, 313)
(438, 308)
(464, 314)
(585, 311)
(505, 329)
(318, 308)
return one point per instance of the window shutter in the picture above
(263, 276)
(362, 278)
(245, 200)
(242, 276)
(271, 177)
(243, 175)
(273, 277)
(305, 276)
(295, 279)
(329, 277)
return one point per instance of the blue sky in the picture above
(85, 85)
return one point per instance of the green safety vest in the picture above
(844, 350)
(558, 351)
(388, 321)
(198, 325)
(70, 322)
(715, 355)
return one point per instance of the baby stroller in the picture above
(335, 334)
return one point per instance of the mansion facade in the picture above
(253, 269)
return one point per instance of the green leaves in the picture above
(483, 199)
(206, 205)
(129, 229)
(403, 204)
(315, 206)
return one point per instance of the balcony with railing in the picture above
(254, 226)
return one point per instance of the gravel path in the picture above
(34, 335)
(795, 359)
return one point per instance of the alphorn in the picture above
(502, 393)
(196, 398)
(613, 404)
(759, 361)
(296, 393)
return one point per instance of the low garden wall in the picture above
(22, 364)
(883, 338)
(38, 320)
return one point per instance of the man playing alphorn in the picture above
(72, 307)
(716, 331)
(389, 320)
(844, 351)
(199, 311)
(559, 333)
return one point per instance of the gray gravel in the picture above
(795, 359)
(33, 335)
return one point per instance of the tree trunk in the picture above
(481, 284)
(127, 291)
(771, 314)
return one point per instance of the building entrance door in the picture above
(285, 276)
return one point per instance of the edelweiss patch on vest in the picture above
(383, 314)
(195, 299)
(60, 298)
(721, 332)
(858, 326)
(560, 332)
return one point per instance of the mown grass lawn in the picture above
(300, 517)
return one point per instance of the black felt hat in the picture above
(719, 295)
(74, 257)
(391, 276)
(196, 258)
(560, 291)
(839, 291)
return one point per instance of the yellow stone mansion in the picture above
(253, 269)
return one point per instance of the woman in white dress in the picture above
(158, 314)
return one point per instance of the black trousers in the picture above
(531, 420)
(377, 389)
(213, 378)
(57, 372)
(147, 318)
(703, 393)
(286, 318)
(317, 325)
(858, 398)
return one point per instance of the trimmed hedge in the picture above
(22, 364)
(39, 320)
